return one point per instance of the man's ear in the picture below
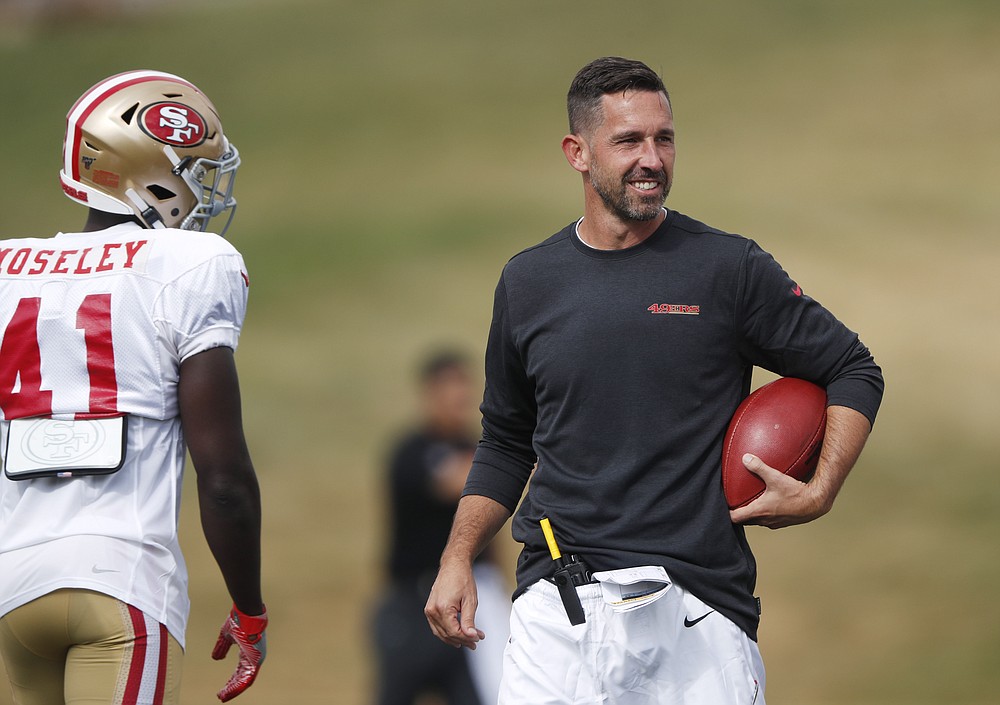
(577, 152)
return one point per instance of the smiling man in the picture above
(619, 350)
(628, 163)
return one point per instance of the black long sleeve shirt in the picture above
(618, 371)
(420, 518)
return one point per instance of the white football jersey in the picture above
(96, 325)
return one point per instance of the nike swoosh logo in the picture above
(691, 622)
(97, 570)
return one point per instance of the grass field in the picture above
(395, 154)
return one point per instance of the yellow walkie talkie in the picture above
(570, 572)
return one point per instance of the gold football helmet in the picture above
(149, 144)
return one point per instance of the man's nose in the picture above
(650, 157)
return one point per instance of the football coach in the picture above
(619, 350)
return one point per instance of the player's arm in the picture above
(786, 501)
(229, 500)
(228, 494)
(451, 607)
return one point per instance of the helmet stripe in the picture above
(90, 100)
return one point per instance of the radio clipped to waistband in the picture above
(570, 572)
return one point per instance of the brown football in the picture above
(782, 423)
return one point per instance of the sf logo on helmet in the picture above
(173, 123)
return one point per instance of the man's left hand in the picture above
(785, 501)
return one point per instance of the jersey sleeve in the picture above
(204, 307)
(505, 457)
(786, 331)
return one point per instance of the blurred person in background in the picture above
(427, 470)
(116, 356)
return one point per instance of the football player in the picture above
(116, 354)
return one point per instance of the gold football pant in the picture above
(85, 648)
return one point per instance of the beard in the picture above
(625, 203)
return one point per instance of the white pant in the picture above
(493, 617)
(644, 657)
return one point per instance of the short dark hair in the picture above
(601, 77)
(440, 361)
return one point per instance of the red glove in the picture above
(247, 632)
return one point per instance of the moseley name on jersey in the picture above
(36, 261)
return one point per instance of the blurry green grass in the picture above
(395, 155)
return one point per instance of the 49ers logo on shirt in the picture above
(173, 123)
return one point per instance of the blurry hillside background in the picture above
(395, 154)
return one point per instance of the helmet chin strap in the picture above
(181, 168)
(209, 201)
(149, 215)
